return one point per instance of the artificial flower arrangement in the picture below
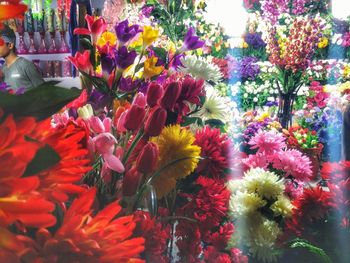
(301, 137)
(138, 113)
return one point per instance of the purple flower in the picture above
(271, 103)
(147, 10)
(177, 61)
(3, 87)
(340, 26)
(248, 69)
(191, 41)
(127, 84)
(98, 100)
(254, 40)
(125, 32)
(107, 63)
(124, 58)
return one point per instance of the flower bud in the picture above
(134, 117)
(147, 159)
(155, 122)
(140, 100)
(171, 94)
(154, 93)
(131, 181)
(104, 143)
(96, 124)
(85, 112)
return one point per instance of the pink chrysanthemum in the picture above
(293, 163)
(267, 142)
(256, 160)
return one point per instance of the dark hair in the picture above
(9, 36)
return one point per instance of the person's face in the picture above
(5, 48)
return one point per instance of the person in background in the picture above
(18, 72)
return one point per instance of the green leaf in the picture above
(215, 123)
(86, 43)
(44, 158)
(139, 66)
(40, 102)
(319, 252)
(99, 83)
(161, 53)
(191, 120)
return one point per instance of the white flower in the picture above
(199, 68)
(255, 99)
(214, 107)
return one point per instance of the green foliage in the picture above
(171, 17)
(44, 158)
(319, 252)
(40, 102)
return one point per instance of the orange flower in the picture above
(83, 238)
(19, 199)
(11, 9)
(58, 181)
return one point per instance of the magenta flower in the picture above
(96, 26)
(267, 142)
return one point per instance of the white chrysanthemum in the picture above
(266, 184)
(282, 207)
(199, 68)
(262, 241)
(214, 107)
(244, 204)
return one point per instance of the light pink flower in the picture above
(104, 144)
(256, 160)
(267, 142)
(293, 163)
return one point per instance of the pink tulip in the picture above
(104, 143)
(140, 100)
(107, 123)
(121, 121)
(96, 124)
(82, 61)
(96, 26)
(113, 162)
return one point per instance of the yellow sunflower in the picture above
(175, 143)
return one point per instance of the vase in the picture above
(26, 41)
(66, 40)
(58, 40)
(285, 109)
(47, 41)
(37, 41)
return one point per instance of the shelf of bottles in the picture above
(45, 41)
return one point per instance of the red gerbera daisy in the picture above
(70, 144)
(214, 148)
